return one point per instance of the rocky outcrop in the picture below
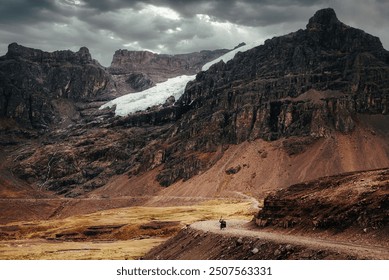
(138, 70)
(139, 81)
(81, 158)
(33, 83)
(359, 201)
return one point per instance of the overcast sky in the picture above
(170, 26)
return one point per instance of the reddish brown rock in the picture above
(138, 70)
(304, 85)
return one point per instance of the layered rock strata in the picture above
(309, 84)
(139, 70)
(36, 86)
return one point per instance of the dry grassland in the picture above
(124, 233)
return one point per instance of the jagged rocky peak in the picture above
(85, 54)
(309, 83)
(325, 26)
(33, 82)
(122, 57)
(240, 45)
(16, 51)
(132, 60)
(323, 20)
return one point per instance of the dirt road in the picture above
(240, 228)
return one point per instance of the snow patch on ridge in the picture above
(230, 55)
(139, 101)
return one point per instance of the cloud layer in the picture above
(169, 26)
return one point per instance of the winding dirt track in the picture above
(239, 228)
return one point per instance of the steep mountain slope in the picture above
(309, 83)
(305, 92)
(165, 93)
(259, 167)
(38, 88)
(48, 98)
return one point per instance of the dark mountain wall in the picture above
(308, 84)
(58, 94)
(30, 80)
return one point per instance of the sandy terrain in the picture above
(266, 166)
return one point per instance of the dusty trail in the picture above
(255, 205)
(239, 228)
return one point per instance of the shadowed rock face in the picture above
(309, 84)
(34, 83)
(57, 94)
(31, 80)
(358, 200)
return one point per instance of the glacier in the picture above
(157, 95)
(139, 101)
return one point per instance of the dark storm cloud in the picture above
(248, 12)
(251, 13)
(30, 12)
(170, 26)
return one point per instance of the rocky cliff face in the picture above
(308, 84)
(57, 93)
(33, 83)
(36, 86)
(358, 200)
(138, 70)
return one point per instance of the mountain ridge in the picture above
(31, 79)
(308, 85)
(139, 70)
(247, 98)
